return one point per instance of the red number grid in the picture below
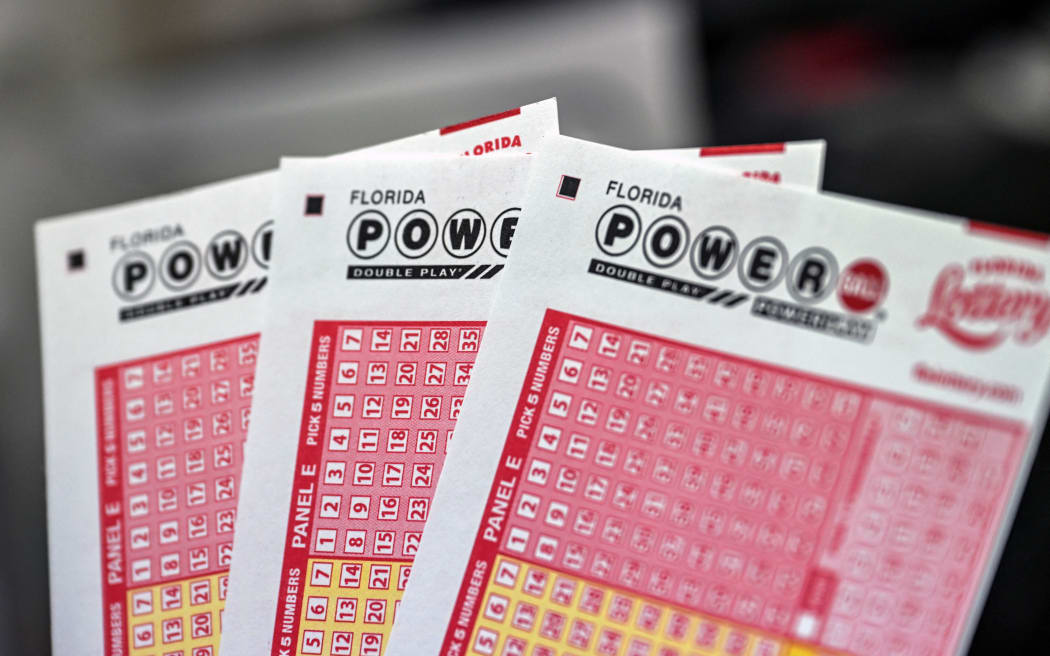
(171, 440)
(392, 394)
(395, 397)
(793, 506)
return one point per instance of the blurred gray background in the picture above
(937, 105)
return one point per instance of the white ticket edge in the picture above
(552, 273)
(80, 331)
(796, 163)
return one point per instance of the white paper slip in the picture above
(738, 420)
(403, 257)
(376, 312)
(149, 319)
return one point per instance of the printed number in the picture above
(507, 574)
(549, 438)
(347, 373)
(200, 625)
(435, 374)
(439, 339)
(344, 405)
(397, 441)
(330, 504)
(609, 345)
(379, 577)
(393, 474)
(485, 642)
(539, 472)
(426, 441)
(313, 641)
(355, 542)
(570, 371)
(342, 643)
(142, 635)
(559, 405)
(430, 408)
(321, 574)
(496, 607)
(580, 337)
(171, 630)
(462, 375)
(411, 543)
(410, 338)
(317, 608)
(142, 603)
(372, 406)
(376, 373)
(381, 338)
(171, 597)
(418, 509)
(469, 339)
(345, 609)
(422, 474)
(350, 575)
(324, 541)
(335, 472)
(388, 508)
(402, 407)
(359, 506)
(406, 373)
(364, 473)
(352, 339)
(371, 644)
(339, 439)
(367, 440)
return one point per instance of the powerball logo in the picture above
(161, 270)
(643, 240)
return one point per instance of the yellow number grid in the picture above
(657, 640)
(362, 594)
(164, 618)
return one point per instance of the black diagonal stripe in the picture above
(719, 296)
(245, 286)
(259, 285)
(737, 300)
(477, 271)
(496, 268)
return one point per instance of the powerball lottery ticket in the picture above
(378, 308)
(712, 417)
(150, 315)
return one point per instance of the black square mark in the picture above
(75, 260)
(314, 205)
(568, 187)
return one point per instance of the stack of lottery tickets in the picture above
(699, 407)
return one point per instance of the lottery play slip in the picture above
(376, 312)
(150, 313)
(717, 417)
